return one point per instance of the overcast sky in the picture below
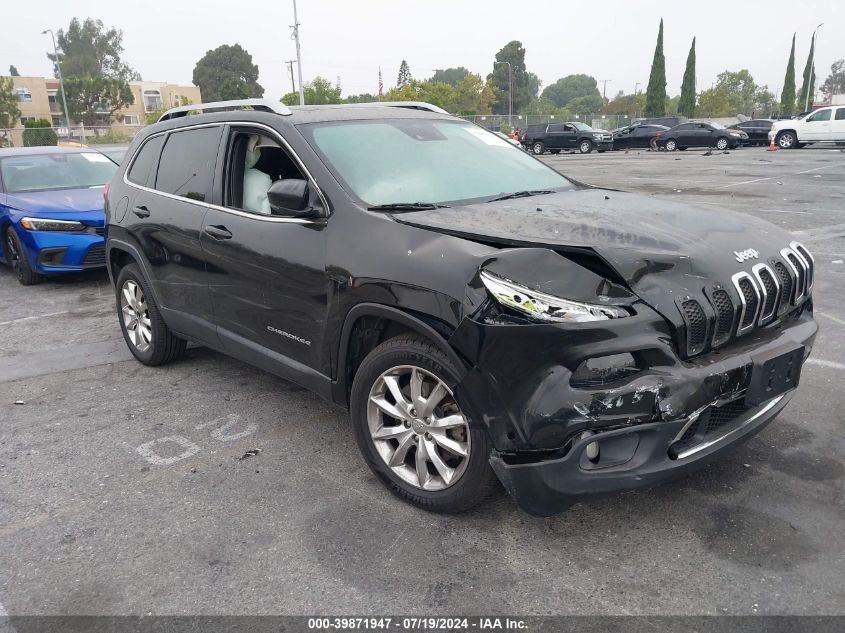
(352, 38)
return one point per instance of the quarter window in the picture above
(840, 114)
(139, 173)
(187, 163)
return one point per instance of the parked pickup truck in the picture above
(555, 137)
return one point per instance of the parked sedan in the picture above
(700, 134)
(757, 130)
(51, 210)
(637, 136)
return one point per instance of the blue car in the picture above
(51, 210)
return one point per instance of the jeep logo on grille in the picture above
(749, 253)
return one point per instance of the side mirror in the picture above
(289, 197)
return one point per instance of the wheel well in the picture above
(787, 130)
(117, 260)
(368, 333)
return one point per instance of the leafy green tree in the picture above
(9, 111)
(628, 105)
(514, 53)
(835, 82)
(736, 93)
(473, 95)
(451, 76)
(39, 132)
(571, 87)
(805, 102)
(227, 62)
(787, 95)
(13, 71)
(586, 104)
(234, 88)
(96, 79)
(656, 91)
(686, 104)
(319, 91)
(365, 97)
(534, 85)
(404, 75)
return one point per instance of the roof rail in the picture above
(264, 105)
(414, 105)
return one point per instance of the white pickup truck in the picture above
(825, 125)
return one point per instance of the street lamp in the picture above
(510, 91)
(812, 69)
(61, 80)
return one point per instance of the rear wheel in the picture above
(411, 429)
(786, 140)
(18, 261)
(585, 146)
(671, 145)
(538, 148)
(145, 332)
(722, 143)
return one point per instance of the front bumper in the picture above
(603, 145)
(519, 389)
(55, 252)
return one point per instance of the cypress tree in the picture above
(404, 74)
(686, 104)
(787, 96)
(809, 79)
(655, 101)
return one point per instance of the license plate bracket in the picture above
(774, 372)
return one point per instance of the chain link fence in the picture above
(81, 134)
(504, 123)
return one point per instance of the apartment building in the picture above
(37, 99)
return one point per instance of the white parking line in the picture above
(33, 318)
(806, 171)
(832, 318)
(826, 363)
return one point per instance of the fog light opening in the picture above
(592, 450)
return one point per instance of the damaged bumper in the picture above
(556, 443)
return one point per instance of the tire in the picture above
(722, 143)
(538, 148)
(150, 340)
(585, 146)
(786, 140)
(652, 144)
(427, 486)
(554, 151)
(17, 259)
(671, 145)
(682, 149)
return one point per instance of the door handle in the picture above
(218, 232)
(141, 211)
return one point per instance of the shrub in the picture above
(110, 137)
(39, 132)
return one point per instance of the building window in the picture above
(24, 119)
(130, 119)
(23, 94)
(57, 121)
(152, 100)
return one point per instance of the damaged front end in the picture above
(586, 390)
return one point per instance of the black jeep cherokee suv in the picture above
(477, 312)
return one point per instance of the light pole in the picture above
(812, 68)
(61, 81)
(510, 91)
(298, 54)
(604, 88)
(636, 88)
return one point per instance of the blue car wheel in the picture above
(17, 259)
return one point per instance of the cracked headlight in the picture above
(42, 224)
(543, 307)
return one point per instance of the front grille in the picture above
(96, 256)
(752, 301)
(786, 284)
(800, 287)
(770, 291)
(721, 302)
(696, 326)
(718, 417)
(100, 230)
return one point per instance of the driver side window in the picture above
(821, 115)
(254, 161)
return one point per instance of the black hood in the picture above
(633, 234)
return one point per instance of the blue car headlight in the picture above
(44, 224)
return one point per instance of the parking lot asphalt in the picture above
(210, 487)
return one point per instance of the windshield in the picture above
(716, 126)
(41, 172)
(583, 127)
(390, 161)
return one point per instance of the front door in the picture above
(266, 272)
(817, 126)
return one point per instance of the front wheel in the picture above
(18, 261)
(145, 332)
(585, 146)
(721, 143)
(786, 140)
(538, 148)
(412, 431)
(671, 145)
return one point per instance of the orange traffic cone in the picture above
(772, 146)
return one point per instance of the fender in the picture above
(339, 386)
(129, 248)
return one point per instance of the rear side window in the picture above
(139, 172)
(187, 163)
(840, 114)
(557, 127)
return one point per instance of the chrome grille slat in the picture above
(770, 290)
(793, 261)
(809, 262)
(749, 297)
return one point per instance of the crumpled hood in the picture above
(59, 200)
(636, 235)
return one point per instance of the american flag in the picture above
(380, 84)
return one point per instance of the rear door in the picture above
(838, 125)
(555, 137)
(683, 134)
(165, 218)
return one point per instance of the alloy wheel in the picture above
(722, 144)
(418, 428)
(786, 141)
(538, 148)
(671, 145)
(136, 315)
(585, 147)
